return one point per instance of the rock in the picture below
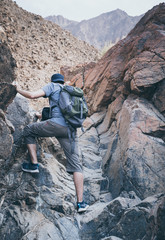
(141, 219)
(38, 226)
(7, 94)
(135, 157)
(18, 113)
(6, 139)
(130, 66)
(111, 220)
(7, 63)
(45, 42)
(113, 109)
(159, 97)
(122, 148)
(101, 216)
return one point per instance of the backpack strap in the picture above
(56, 104)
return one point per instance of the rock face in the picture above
(122, 150)
(134, 65)
(7, 62)
(102, 30)
(39, 47)
(7, 94)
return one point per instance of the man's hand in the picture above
(15, 84)
(38, 115)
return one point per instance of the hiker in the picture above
(57, 127)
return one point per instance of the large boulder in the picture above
(7, 62)
(136, 153)
(7, 94)
(124, 218)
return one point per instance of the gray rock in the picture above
(6, 139)
(131, 163)
(18, 114)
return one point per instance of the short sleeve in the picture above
(47, 89)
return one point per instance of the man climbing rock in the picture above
(57, 127)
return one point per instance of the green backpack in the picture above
(73, 106)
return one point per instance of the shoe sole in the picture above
(30, 171)
(82, 209)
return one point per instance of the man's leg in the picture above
(74, 166)
(78, 182)
(42, 129)
(33, 153)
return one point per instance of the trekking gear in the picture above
(46, 113)
(74, 109)
(30, 167)
(73, 106)
(82, 207)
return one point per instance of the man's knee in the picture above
(26, 131)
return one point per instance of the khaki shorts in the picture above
(51, 129)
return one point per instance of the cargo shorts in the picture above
(51, 129)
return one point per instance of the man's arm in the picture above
(31, 95)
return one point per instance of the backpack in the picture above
(73, 106)
(46, 113)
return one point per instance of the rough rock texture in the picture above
(7, 62)
(39, 47)
(122, 150)
(42, 206)
(134, 65)
(7, 94)
(135, 157)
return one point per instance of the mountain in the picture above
(122, 147)
(102, 30)
(61, 21)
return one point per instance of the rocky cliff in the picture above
(122, 149)
(105, 29)
(39, 47)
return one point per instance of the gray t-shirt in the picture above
(52, 91)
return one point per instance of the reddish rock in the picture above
(75, 76)
(112, 111)
(135, 64)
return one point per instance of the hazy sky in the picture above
(85, 9)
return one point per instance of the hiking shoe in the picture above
(30, 167)
(82, 207)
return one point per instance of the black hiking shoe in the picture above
(30, 167)
(82, 207)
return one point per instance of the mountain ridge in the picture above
(105, 29)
